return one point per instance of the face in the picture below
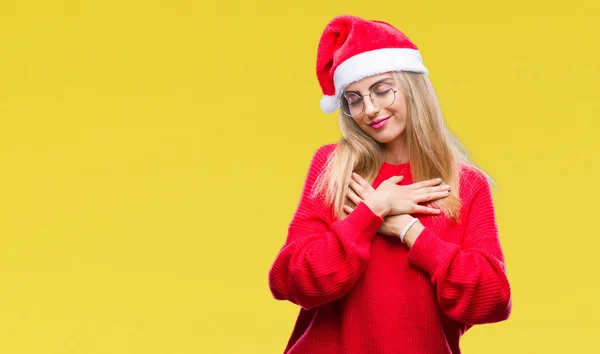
(384, 124)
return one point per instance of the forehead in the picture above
(367, 82)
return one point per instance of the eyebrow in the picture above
(373, 85)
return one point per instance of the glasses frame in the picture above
(394, 90)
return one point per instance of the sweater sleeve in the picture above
(322, 259)
(470, 278)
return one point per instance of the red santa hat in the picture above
(352, 48)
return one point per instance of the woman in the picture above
(394, 245)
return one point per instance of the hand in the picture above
(394, 199)
(394, 224)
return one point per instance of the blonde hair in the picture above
(432, 150)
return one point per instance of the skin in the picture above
(392, 202)
(393, 134)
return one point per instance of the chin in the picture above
(386, 137)
(383, 140)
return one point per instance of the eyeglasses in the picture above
(382, 96)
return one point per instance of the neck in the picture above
(395, 151)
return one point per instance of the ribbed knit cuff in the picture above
(429, 251)
(362, 224)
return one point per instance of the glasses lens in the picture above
(383, 95)
(352, 104)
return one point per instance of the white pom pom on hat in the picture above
(329, 104)
(352, 48)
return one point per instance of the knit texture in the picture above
(363, 292)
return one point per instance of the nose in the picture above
(371, 110)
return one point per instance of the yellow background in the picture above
(153, 152)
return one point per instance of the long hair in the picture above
(432, 150)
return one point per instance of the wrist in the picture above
(413, 233)
(402, 221)
(407, 226)
(376, 205)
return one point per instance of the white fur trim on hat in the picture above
(371, 63)
(377, 62)
(329, 104)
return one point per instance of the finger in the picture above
(347, 209)
(395, 179)
(440, 188)
(431, 196)
(357, 188)
(420, 209)
(361, 190)
(428, 183)
(362, 182)
(353, 197)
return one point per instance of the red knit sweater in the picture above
(362, 292)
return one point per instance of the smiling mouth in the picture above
(378, 121)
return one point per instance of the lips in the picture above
(377, 121)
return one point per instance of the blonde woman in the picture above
(394, 246)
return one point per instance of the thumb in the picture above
(395, 179)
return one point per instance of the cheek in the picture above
(400, 120)
(399, 107)
(400, 111)
(360, 123)
(401, 117)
